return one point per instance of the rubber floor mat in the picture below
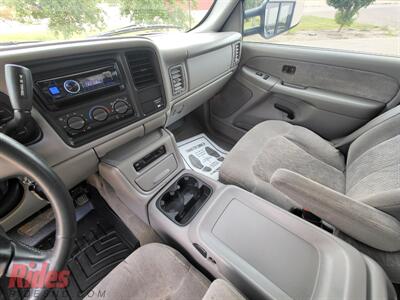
(102, 243)
(98, 249)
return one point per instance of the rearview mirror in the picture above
(273, 17)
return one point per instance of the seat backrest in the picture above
(373, 161)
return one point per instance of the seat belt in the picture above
(340, 142)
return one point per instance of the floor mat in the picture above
(98, 249)
(101, 244)
(190, 126)
(202, 155)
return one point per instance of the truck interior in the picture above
(199, 164)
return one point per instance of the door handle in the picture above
(286, 110)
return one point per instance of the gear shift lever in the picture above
(20, 90)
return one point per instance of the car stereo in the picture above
(60, 89)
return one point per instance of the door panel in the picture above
(343, 80)
(332, 93)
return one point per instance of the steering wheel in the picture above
(17, 160)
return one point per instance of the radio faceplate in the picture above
(87, 104)
(98, 96)
(61, 89)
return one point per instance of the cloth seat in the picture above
(293, 167)
(272, 145)
(157, 271)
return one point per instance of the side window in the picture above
(365, 26)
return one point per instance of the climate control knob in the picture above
(120, 107)
(76, 122)
(99, 114)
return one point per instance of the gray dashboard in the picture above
(205, 61)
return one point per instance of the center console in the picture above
(266, 252)
(139, 169)
(263, 250)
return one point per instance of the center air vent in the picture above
(236, 53)
(141, 66)
(177, 80)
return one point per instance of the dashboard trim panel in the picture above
(51, 58)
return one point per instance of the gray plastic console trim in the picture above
(136, 188)
(268, 253)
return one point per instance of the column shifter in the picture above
(20, 90)
(19, 83)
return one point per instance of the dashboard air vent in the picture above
(142, 69)
(236, 53)
(177, 77)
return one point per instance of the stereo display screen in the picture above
(96, 80)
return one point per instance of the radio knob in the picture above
(121, 107)
(99, 114)
(72, 86)
(76, 122)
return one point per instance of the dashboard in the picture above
(93, 96)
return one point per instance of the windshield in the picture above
(48, 20)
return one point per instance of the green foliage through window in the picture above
(347, 10)
(69, 17)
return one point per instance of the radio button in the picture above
(76, 123)
(121, 107)
(72, 86)
(99, 114)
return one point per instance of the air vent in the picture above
(177, 77)
(142, 69)
(236, 53)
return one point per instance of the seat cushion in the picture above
(272, 145)
(373, 164)
(154, 271)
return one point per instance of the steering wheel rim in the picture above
(18, 160)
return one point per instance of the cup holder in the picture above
(182, 201)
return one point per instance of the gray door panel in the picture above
(342, 80)
(332, 93)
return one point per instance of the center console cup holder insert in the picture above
(183, 199)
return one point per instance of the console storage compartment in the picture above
(183, 199)
(150, 179)
(267, 252)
